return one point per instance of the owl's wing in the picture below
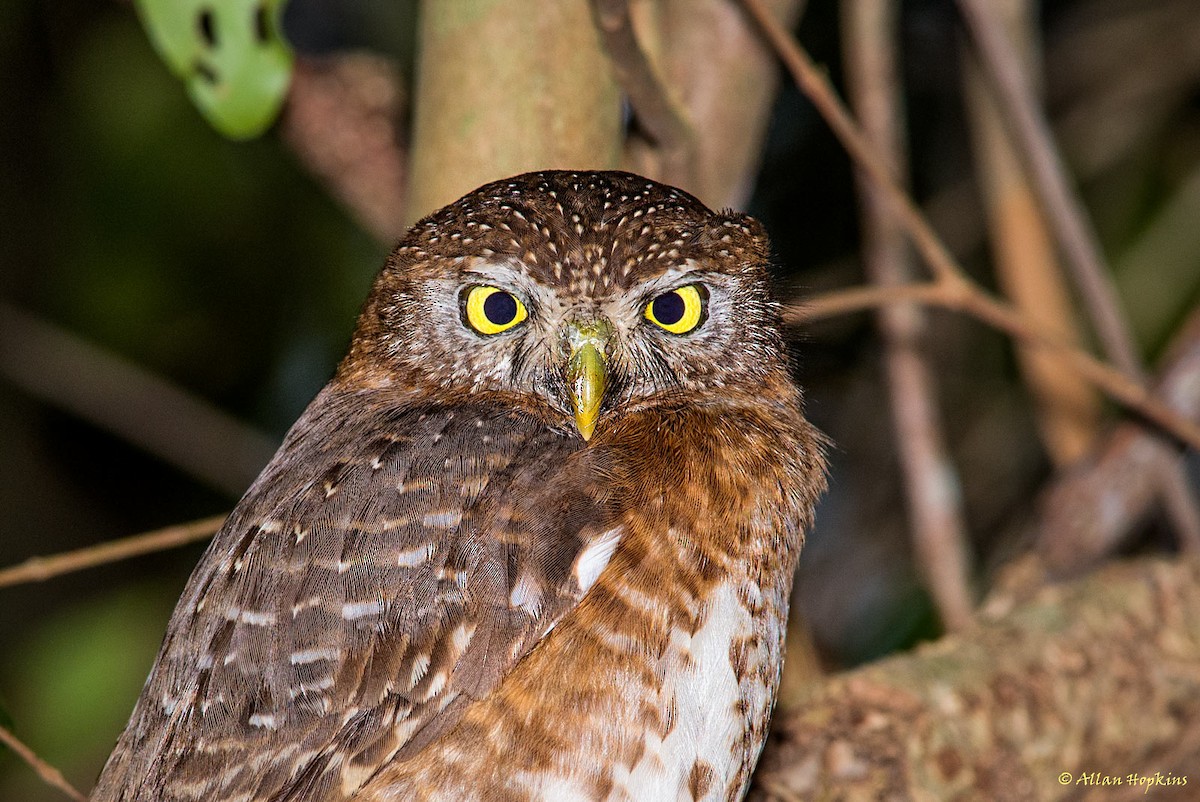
(386, 568)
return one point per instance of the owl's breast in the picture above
(720, 685)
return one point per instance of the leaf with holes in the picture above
(231, 54)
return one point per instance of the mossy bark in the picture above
(504, 88)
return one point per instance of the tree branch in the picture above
(653, 106)
(129, 401)
(936, 523)
(538, 96)
(1096, 675)
(345, 122)
(967, 298)
(1024, 257)
(1002, 66)
(955, 290)
(1089, 512)
(37, 569)
(50, 775)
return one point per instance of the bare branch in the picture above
(816, 86)
(1026, 262)
(50, 775)
(1002, 65)
(965, 297)
(1089, 512)
(952, 289)
(936, 522)
(344, 120)
(37, 569)
(1035, 690)
(129, 401)
(657, 113)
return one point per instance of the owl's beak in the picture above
(587, 371)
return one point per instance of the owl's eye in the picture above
(491, 310)
(679, 311)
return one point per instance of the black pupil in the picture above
(669, 308)
(500, 308)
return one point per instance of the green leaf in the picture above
(230, 53)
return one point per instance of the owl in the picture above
(534, 541)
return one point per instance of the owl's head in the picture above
(583, 293)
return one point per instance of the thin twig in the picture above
(49, 774)
(1002, 65)
(662, 119)
(1026, 262)
(936, 522)
(858, 299)
(962, 296)
(815, 85)
(37, 569)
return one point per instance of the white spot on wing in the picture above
(301, 606)
(526, 595)
(420, 666)
(443, 520)
(305, 656)
(462, 636)
(357, 610)
(410, 558)
(436, 685)
(257, 619)
(595, 557)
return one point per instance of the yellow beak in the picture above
(587, 372)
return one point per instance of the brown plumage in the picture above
(441, 588)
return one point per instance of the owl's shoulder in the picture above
(394, 557)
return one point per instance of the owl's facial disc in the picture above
(587, 370)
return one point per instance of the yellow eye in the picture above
(679, 311)
(491, 310)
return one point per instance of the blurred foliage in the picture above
(77, 673)
(125, 219)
